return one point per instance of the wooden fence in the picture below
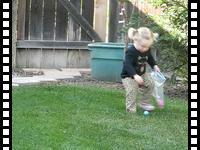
(48, 36)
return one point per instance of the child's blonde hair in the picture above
(142, 33)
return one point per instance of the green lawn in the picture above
(90, 118)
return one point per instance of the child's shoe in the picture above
(146, 106)
(160, 103)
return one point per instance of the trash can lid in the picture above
(108, 44)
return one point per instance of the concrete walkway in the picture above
(48, 75)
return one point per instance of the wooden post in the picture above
(14, 31)
(100, 20)
(113, 21)
(21, 18)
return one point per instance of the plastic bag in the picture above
(158, 93)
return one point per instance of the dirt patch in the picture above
(178, 90)
(21, 73)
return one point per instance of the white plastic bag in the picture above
(158, 93)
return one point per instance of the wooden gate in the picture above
(54, 33)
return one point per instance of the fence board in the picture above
(87, 13)
(61, 58)
(21, 19)
(49, 19)
(21, 58)
(76, 27)
(73, 58)
(84, 61)
(36, 19)
(73, 27)
(61, 22)
(35, 32)
(100, 18)
(113, 21)
(27, 19)
(21, 31)
(47, 60)
(34, 58)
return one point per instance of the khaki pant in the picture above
(132, 89)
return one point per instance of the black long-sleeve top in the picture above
(135, 62)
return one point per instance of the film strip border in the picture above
(6, 75)
(193, 76)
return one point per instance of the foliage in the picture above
(177, 11)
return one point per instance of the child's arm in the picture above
(151, 61)
(156, 68)
(138, 79)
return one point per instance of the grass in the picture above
(92, 118)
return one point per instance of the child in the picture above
(134, 76)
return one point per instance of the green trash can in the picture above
(106, 61)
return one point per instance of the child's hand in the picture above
(139, 79)
(156, 68)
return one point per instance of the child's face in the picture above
(143, 45)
